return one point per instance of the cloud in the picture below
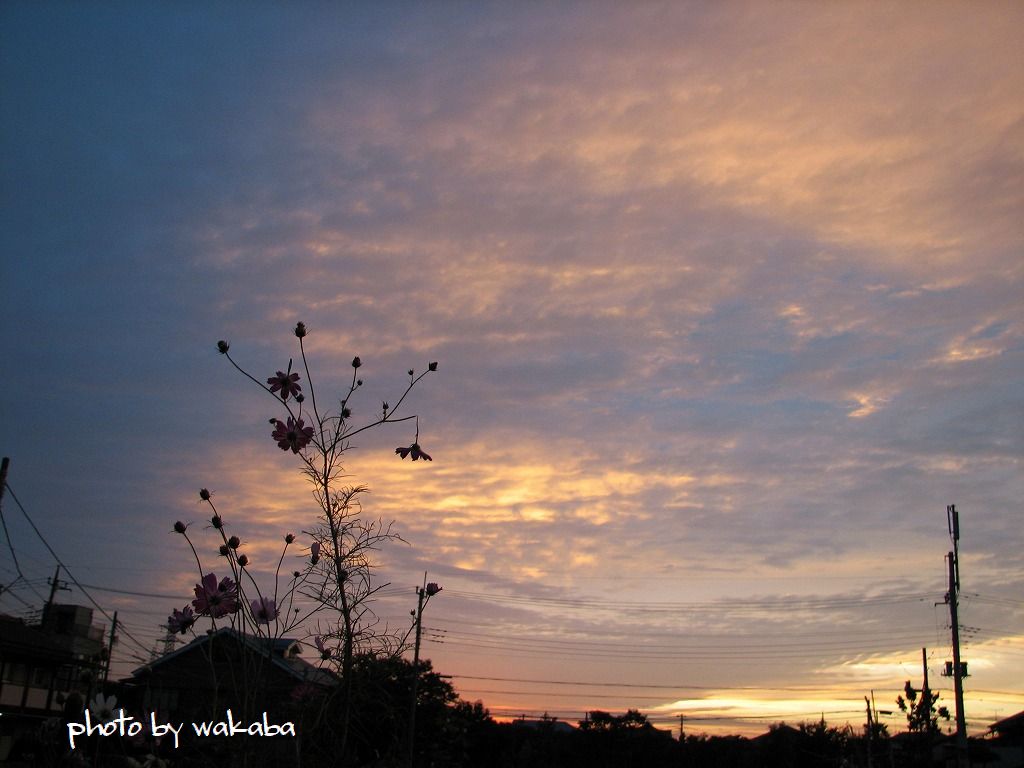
(725, 298)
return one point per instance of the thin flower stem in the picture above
(312, 391)
(260, 384)
(232, 556)
(196, 555)
(263, 604)
(408, 389)
(378, 422)
(277, 573)
(249, 376)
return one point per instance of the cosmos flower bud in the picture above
(411, 371)
(234, 542)
(225, 550)
(216, 522)
(300, 329)
(296, 574)
(243, 560)
(356, 362)
(359, 382)
(204, 494)
(288, 539)
(346, 413)
(179, 527)
(432, 589)
(432, 366)
(314, 552)
(300, 397)
(223, 347)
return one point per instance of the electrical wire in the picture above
(66, 569)
(726, 606)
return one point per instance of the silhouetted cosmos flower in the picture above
(181, 621)
(292, 435)
(264, 610)
(286, 382)
(216, 599)
(413, 450)
(325, 652)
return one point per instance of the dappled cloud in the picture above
(726, 301)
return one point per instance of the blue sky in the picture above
(726, 299)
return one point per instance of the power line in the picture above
(655, 686)
(66, 570)
(115, 590)
(638, 655)
(725, 605)
(788, 642)
(4, 464)
(19, 598)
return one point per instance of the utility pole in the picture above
(110, 649)
(55, 584)
(682, 734)
(423, 594)
(4, 464)
(878, 728)
(927, 692)
(871, 729)
(952, 596)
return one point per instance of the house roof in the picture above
(780, 731)
(284, 655)
(1011, 723)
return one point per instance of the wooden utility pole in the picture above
(55, 584)
(952, 596)
(871, 733)
(4, 464)
(3, 486)
(110, 649)
(927, 692)
(421, 596)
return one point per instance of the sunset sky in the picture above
(727, 299)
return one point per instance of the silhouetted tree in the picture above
(624, 741)
(919, 705)
(445, 725)
(922, 722)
